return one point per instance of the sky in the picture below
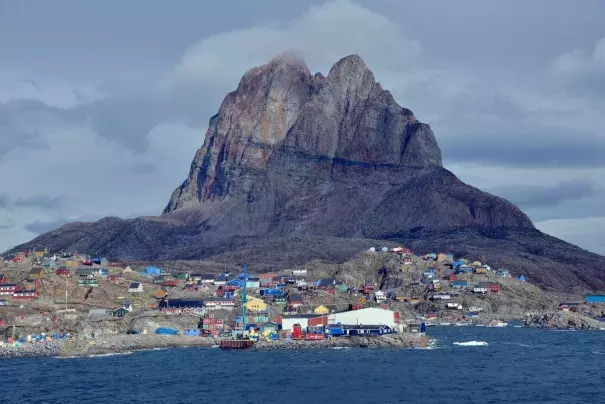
(103, 104)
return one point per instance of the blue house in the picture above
(464, 269)
(459, 284)
(236, 282)
(271, 292)
(104, 272)
(458, 263)
(522, 278)
(151, 270)
(595, 298)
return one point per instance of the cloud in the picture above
(526, 196)
(586, 232)
(582, 73)
(39, 226)
(42, 202)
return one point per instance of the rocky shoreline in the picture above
(121, 344)
(561, 320)
(44, 349)
(384, 341)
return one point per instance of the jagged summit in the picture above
(280, 106)
(315, 166)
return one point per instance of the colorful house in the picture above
(321, 309)
(151, 270)
(503, 273)
(590, 299)
(160, 294)
(36, 273)
(269, 327)
(254, 304)
(459, 284)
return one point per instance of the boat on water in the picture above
(446, 324)
(462, 324)
(480, 325)
(497, 323)
(236, 344)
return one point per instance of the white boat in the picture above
(497, 323)
(445, 324)
(461, 324)
(480, 325)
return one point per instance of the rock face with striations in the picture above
(294, 154)
(293, 158)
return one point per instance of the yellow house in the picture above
(254, 304)
(477, 263)
(40, 254)
(321, 309)
(441, 257)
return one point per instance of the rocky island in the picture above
(337, 199)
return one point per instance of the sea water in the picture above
(465, 365)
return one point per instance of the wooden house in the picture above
(63, 272)
(36, 273)
(18, 259)
(160, 294)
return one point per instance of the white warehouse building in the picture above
(368, 316)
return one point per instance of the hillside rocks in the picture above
(563, 321)
(298, 166)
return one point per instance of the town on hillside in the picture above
(52, 295)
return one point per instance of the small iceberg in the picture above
(471, 343)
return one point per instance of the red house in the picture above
(452, 277)
(114, 264)
(18, 259)
(87, 262)
(494, 287)
(2, 278)
(172, 283)
(63, 272)
(317, 321)
(9, 288)
(26, 295)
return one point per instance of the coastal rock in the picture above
(564, 321)
(383, 341)
(317, 166)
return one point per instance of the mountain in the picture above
(296, 166)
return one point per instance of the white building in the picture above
(380, 296)
(299, 272)
(479, 290)
(135, 287)
(368, 316)
(288, 321)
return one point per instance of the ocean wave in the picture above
(471, 343)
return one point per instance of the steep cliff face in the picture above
(296, 167)
(294, 154)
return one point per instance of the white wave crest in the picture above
(471, 343)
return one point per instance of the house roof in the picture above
(363, 327)
(295, 297)
(301, 315)
(218, 299)
(134, 285)
(36, 270)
